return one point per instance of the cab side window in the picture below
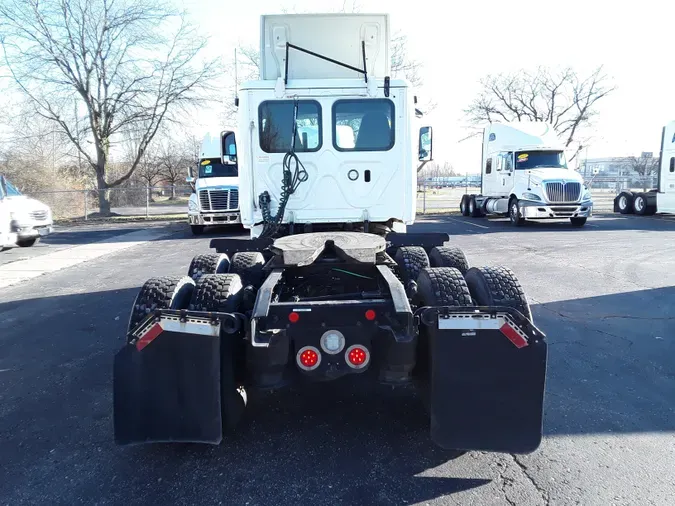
(488, 166)
(672, 164)
(508, 162)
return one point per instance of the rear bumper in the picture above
(539, 210)
(214, 218)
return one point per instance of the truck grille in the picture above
(39, 215)
(219, 200)
(563, 192)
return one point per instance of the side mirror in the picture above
(189, 179)
(426, 144)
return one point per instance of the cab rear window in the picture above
(276, 126)
(363, 125)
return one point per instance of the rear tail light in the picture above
(357, 356)
(308, 358)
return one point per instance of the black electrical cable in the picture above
(292, 177)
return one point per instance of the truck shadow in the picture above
(610, 372)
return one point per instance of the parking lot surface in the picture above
(604, 295)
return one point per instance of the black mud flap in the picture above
(488, 373)
(166, 386)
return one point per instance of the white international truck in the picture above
(23, 220)
(525, 177)
(215, 197)
(331, 283)
(659, 200)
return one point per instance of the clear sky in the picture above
(634, 40)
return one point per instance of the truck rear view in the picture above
(331, 283)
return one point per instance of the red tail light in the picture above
(357, 356)
(370, 315)
(293, 317)
(308, 358)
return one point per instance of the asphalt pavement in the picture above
(604, 295)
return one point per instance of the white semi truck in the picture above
(659, 200)
(525, 176)
(331, 282)
(215, 197)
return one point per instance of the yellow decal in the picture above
(523, 156)
(206, 162)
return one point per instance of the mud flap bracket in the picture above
(488, 371)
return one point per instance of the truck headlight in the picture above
(531, 196)
(587, 196)
(19, 216)
(193, 206)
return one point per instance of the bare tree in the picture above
(131, 65)
(175, 159)
(645, 166)
(562, 98)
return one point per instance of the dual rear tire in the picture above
(218, 292)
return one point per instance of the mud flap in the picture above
(488, 375)
(166, 386)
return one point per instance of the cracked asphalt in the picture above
(604, 295)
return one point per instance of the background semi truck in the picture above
(661, 199)
(331, 284)
(215, 197)
(524, 175)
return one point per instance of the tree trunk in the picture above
(173, 192)
(103, 193)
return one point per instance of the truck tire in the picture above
(497, 286)
(168, 292)
(464, 205)
(222, 293)
(578, 221)
(474, 208)
(197, 229)
(27, 243)
(210, 263)
(411, 260)
(625, 202)
(640, 204)
(448, 256)
(249, 266)
(442, 286)
(217, 293)
(514, 213)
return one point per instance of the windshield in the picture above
(536, 159)
(8, 189)
(214, 168)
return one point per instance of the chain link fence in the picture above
(126, 202)
(172, 201)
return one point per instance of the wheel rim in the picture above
(514, 211)
(623, 202)
(639, 204)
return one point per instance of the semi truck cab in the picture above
(525, 176)
(215, 197)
